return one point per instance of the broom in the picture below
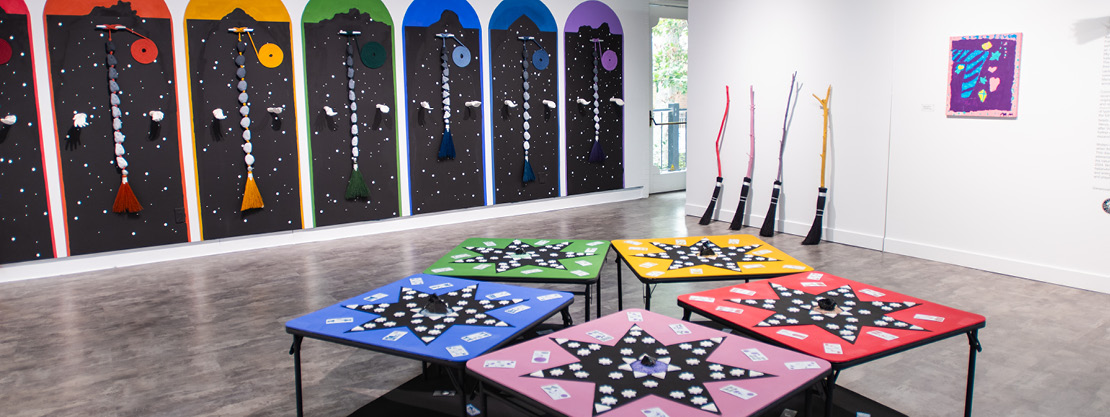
(738, 218)
(814, 236)
(768, 228)
(708, 216)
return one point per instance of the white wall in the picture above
(637, 151)
(1010, 196)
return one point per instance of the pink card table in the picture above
(638, 363)
(839, 320)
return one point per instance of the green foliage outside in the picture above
(669, 42)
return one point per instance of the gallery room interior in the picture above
(450, 207)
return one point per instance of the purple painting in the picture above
(983, 75)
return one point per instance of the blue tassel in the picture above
(529, 176)
(446, 146)
(596, 154)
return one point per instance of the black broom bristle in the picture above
(814, 236)
(738, 218)
(768, 228)
(708, 216)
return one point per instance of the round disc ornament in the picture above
(373, 55)
(609, 60)
(5, 51)
(144, 51)
(461, 56)
(1106, 206)
(540, 60)
(270, 55)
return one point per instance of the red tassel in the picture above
(125, 200)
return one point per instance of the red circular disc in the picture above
(144, 51)
(5, 52)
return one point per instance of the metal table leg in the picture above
(587, 294)
(648, 289)
(598, 298)
(830, 383)
(295, 350)
(458, 380)
(620, 285)
(973, 340)
(567, 321)
(686, 314)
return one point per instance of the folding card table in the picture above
(433, 319)
(538, 261)
(844, 322)
(701, 258)
(639, 363)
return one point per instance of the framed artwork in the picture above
(983, 75)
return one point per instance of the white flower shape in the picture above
(583, 352)
(434, 332)
(630, 340)
(628, 393)
(410, 305)
(716, 367)
(648, 340)
(594, 346)
(399, 314)
(605, 389)
(421, 328)
(662, 351)
(448, 319)
(832, 326)
(573, 345)
(706, 343)
(685, 346)
(678, 395)
(791, 321)
(605, 361)
(616, 375)
(607, 400)
(480, 316)
(581, 374)
(686, 376)
(737, 372)
(692, 361)
(555, 372)
(380, 319)
(575, 367)
(390, 324)
(698, 351)
(717, 375)
(773, 322)
(626, 352)
(694, 390)
(793, 309)
(636, 333)
(651, 383)
(471, 311)
(699, 400)
(471, 321)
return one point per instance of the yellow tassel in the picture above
(125, 200)
(252, 199)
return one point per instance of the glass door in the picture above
(669, 41)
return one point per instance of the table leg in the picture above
(620, 285)
(647, 296)
(458, 380)
(295, 350)
(567, 321)
(686, 314)
(598, 298)
(973, 340)
(483, 402)
(587, 294)
(830, 383)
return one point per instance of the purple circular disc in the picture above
(609, 60)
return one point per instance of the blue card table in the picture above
(434, 319)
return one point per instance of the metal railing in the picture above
(668, 138)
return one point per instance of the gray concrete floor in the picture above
(205, 336)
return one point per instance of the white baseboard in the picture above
(118, 259)
(841, 236)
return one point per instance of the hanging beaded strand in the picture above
(252, 199)
(447, 145)
(356, 186)
(596, 154)
(125, 201)
(529, 174)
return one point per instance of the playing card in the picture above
(595, 243)
(497, 295)
(750, 266)
(743, 291)
(549, 297)
(531, 271)
(540, 356)
(480, 267)
(696, 271)
(928, 317)
(654, 273)
(635, 316)
(654, 412)
(680, 241)
(814, 284)
(394, 335)
(680, 329)
(476, 336)
(791, 333)
(702, 299)
(872, 292)
(376, 297)
(648, 264)
(457, 351)
(815, 276)
(499, 364)
(834, 349)
(489, 243)
(734, 241)
(442, 270)
(738, 392)
(633, 242)
(794, 366)
(762, 252)
(590, 251)
(882, 335)
(555, 392)
(580, 273)
(754, 354)
(416, 281)
(797, 267)
(599, 335)
(340, 320)
(639, 249)
(460, 256)
(583, 262)
(443, 285)
(517, 308)
(730, 309)
(541, 242)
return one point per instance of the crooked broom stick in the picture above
(814, 236)
(708, 216)
(768, 228)
(738, 218)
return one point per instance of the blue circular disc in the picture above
(461, 56)
(540, 59)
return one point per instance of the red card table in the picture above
(638, 363)
(439, 320)
(844, 322)
(700, 258)
(535, 261)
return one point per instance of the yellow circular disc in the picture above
(270, 55)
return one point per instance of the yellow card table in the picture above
(700, 258)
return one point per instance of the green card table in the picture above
(639, 363)
(535, 261)
(842, 321)
(434, 319)
(700, 258)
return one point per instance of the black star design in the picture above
(428, 315)
(705, 252)
(843, 317)
(519, 254)
(638, 365)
